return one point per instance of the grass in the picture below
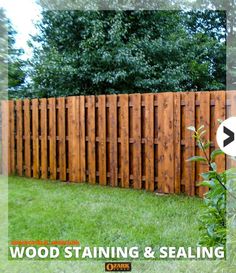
(100, 216)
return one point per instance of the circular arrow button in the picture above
(226, 135)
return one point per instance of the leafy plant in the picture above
(213, 219)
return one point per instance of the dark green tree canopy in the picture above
(16, 72)
(103, 52)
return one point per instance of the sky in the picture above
(22, 14)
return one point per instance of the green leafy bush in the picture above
(213, 219)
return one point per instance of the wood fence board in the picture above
(44, 139)
(149, 146)
(91, 140)
(102, 140)
(177, 141)
(189, 99)
(73, 112)
(35, 129)
(19, 138)
(5, 143)
(62, 138)
(11, 137)
(27, 134)
(165, 143)
(82, 166)
(137, 164)
(124, 136)
(204, 98)
(52, 138)
(112, 99)
(219, 113)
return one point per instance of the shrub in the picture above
(213, 219)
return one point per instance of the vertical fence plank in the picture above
(11, 137)
(35, 125)
(137, 164)
(124, 136)
(73, 112)
(113, 139)
(102, 139)
(52, 138)
(219, 97)
(82, 166)
(177, 141)
(5, 142)
(231, 112)
(19, 136)
(62, 138)
(149, 146)
(91, 140)
(9, 146)
(27, 133)
(204, 99)
(165, 143)
(189, 179)
(44, 139)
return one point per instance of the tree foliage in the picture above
(16, 73)
(213, 219)
(103, 52)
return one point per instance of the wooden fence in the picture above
(135, 141)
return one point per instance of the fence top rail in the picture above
(121, 94)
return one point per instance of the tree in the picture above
(103, 52)
(16, 66)
(3, 55)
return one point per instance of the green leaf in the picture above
(197, 159)
(209, 184)
(202, 133)
(215, 153)
(213, 165)
(207, 145)
(209, 175)
(191, 128)
(200, 128)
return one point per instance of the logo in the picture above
(226, 136)
(112, 266)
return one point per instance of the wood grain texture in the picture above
(113, 139)
(91, 140)
(149, 143)
(44, 139)
(219, 97)
(102, 140)
(27, 134)
(35, 126)
(5, 141)
(19, 135)
(177, 141)
(73, 125)
(189, 179)
(137, 164)
(124, 136)
(166, 143)
(11, 137)
(204, 98)
(82, 165)
(52, 138)
(62, 138)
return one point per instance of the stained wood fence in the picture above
(135, 141)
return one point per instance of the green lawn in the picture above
(100, 216)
